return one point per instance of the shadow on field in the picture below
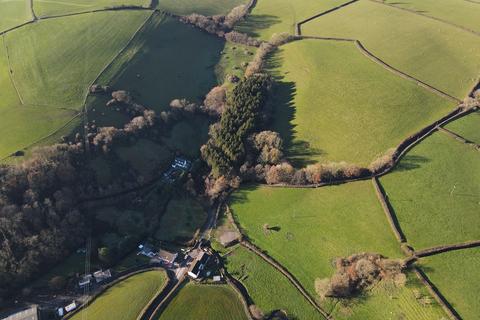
(411, 162)
(282, 104)
(254, 23)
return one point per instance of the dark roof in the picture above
(202, 261)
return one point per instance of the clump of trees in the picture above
(215, 101)
(359, 272)
(225, 148)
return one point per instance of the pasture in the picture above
(205, 7)
(435, 190)
(439, 54)
(165, 61)
(331, 103)
(126, 299)
(459, 12)
(305, 229)
(87, 43)
(267, 287)
(276, 16)
(390, 301)
(14, 13)
(456, 275)
(467, 127)
(45, 8)
(214, 302)
(181, 220)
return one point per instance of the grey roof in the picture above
(167, 256)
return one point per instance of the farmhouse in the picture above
(199, 265)
(146, 250)
(181, 163)
(29, 313)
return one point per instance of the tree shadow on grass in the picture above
(281, 102)
(257, 22)
(411, 162)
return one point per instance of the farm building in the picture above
(181, 163)
(28, 313)
(199, 265)
(85, 280)
(167, 257)
(146, 250)
(102, 275)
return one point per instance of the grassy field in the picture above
(456, 275)
(232, 61)
(167, 60)
(459, 12)
(434, 192)
(87, 43)
(182, 219)
(333, 103)
(126, 299)
(334, 221)
(441, 55)
(56, 7)
(275, 16)
(204, 302)
(388, 301)
(205, 7)
(467, 127)
(13, 13)
(148, 158)
(268, 288)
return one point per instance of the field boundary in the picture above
(459, 138)
(437, 295)
(388, 210)
(404, 147)
(430, 17)
(10, 70)
(32, 11)
(447, 248)
(250, 246)
(388, 67)
(164, 302)
(241, 291)
(298, 28)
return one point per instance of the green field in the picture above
(456, 275)
(434, 192)
(467, 127)
(459, 12)
(182, 219)
(276, 16)
(204, 302)
(126, 299)
(388, 301)
(234, 56)
(267, 287)
(57, 7)
(87, 43)
(13, 13)
(167, 60)
(205, 7)
(443, 56)
(310, 227)
(148, 158)
(333, 103)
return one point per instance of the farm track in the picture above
(459, 138)
(10, 71)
